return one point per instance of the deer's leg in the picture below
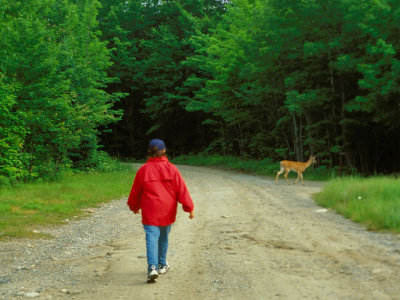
(279, 173)
(302, 181)
(298, 177)
(286, 174)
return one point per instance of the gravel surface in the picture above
(32, 267)
(250, 239)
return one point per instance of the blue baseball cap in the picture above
(159, 144)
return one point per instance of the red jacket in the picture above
(157, 189)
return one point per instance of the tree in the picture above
(151, 41)
(52, 78)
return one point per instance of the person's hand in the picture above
(191, 215)
(136, 212)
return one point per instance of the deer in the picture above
(298, 166)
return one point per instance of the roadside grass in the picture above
(373, 201)
(26, 207)
(265, 167)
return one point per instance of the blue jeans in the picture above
(156, 244)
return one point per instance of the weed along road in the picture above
(250, 239)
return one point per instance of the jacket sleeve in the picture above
(183, 193)
(136, 193)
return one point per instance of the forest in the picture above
(82, 80)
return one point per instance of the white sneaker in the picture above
(153, 275)
(163, 269)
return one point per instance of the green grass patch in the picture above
(374, 202)
(24, 207)
(266, 166)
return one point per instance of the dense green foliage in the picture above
(292, 78)
(371, 201)
(151, 42)
(250, 78)
(52, 78)
(277, 79)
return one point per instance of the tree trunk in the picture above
(330, 70)
(301, 153)
(308, 128)
(328, 140)
(295, 138)
(130, 122)
(346, 148)
(241, 150)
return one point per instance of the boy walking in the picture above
(156, 190)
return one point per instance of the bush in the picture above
(4, 181)
(105, 163)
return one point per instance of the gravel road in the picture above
(250, 239)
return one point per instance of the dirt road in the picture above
(250, 239)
